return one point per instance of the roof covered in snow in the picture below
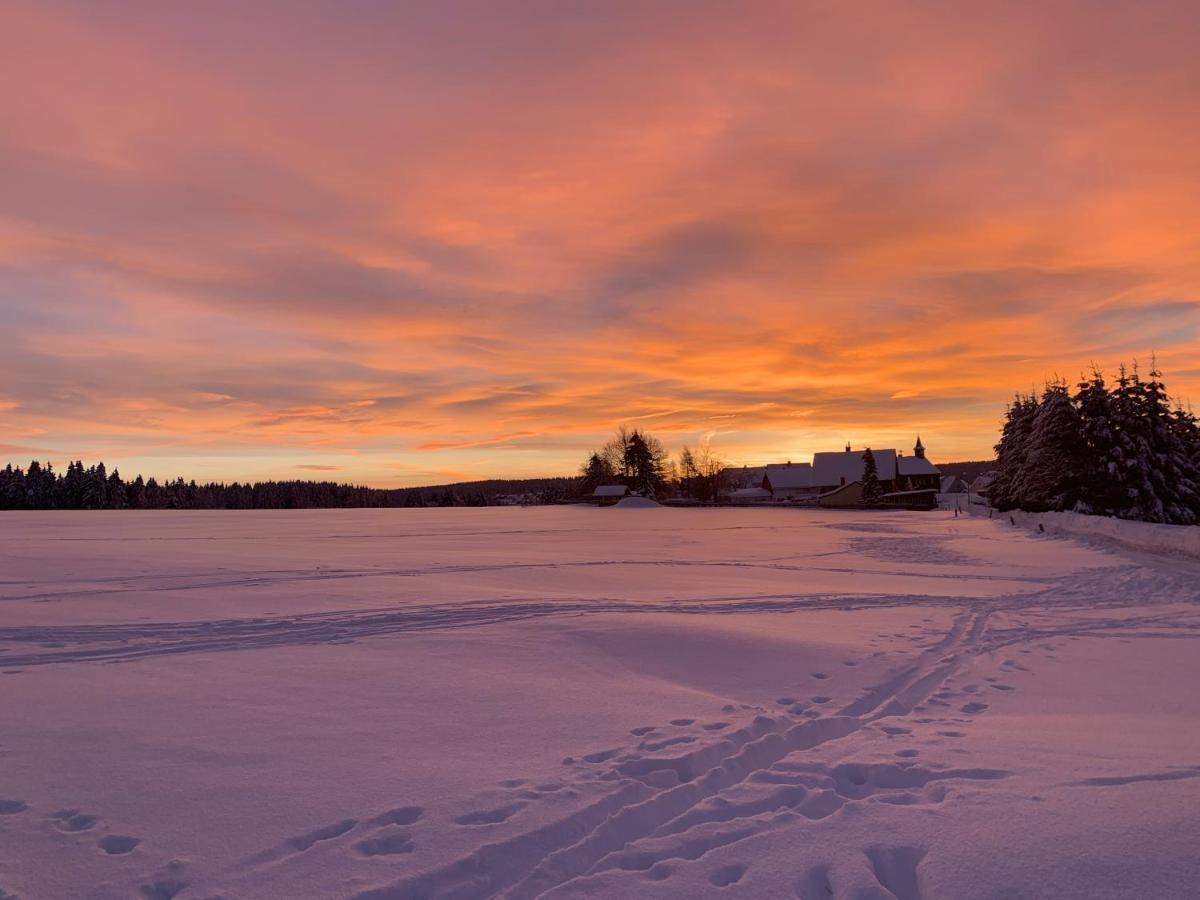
(830, 469)
(610, 490)
(983, 481)
(788, 476)
(917, 465)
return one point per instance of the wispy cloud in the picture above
(407, 242)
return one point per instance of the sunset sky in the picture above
(405, 243)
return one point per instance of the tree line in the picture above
(641, 462)
(40, 487)
(1122, 450)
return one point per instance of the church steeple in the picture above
(919, 449)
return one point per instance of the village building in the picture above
(739, 477)
(896, 472)
(748, 495)
(835, 479)
(608, 494)
(789, 481)
(952, 484)
(905, 480)
(983, 483)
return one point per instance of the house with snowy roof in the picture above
(789, 481)
(952, 484)
(608, 494)
(982, 483)
(896, 472)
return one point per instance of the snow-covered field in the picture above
(572, 702)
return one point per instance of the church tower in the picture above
(919, 450)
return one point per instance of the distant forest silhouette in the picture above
(40, 487)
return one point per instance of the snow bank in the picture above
(1148, 536)
(637, 503)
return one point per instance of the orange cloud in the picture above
(416, 243)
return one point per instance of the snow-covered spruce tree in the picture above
(1174, 478)
(1133, 474)
(1011, 451)
(1126, 474)
(872, 490)
(1051, 473)
(1098, 491)
(1155, 474)
(1187, 432)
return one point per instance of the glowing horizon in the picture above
(412, 246)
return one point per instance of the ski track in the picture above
(175, 582)
(43, 645)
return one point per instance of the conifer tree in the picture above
(1098, 491)
(1051, 472)
(1011, 452)
(595, 472)
(872, 490)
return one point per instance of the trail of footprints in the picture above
(677, 791)
(73, 821)
(669, 796)
(680, 790)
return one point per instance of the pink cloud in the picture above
(477, 243)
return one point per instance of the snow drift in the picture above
(1150, 537)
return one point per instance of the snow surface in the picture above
(571, 702)
(637, 503)
(1151, 537)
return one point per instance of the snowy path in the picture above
(576, 702)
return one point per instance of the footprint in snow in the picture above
(328, 833)
(682, 722)
(164, 889)
(12, 807)
(489, 816)
(406, 815)
(660, 872)
(727, 875)
(655, 746)
(386, 844)
(820, 676)
(974, 707)
(821, 699)
(73, 820)
(641, 730)
(118, 844)
(601, 756)
(786, 701)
